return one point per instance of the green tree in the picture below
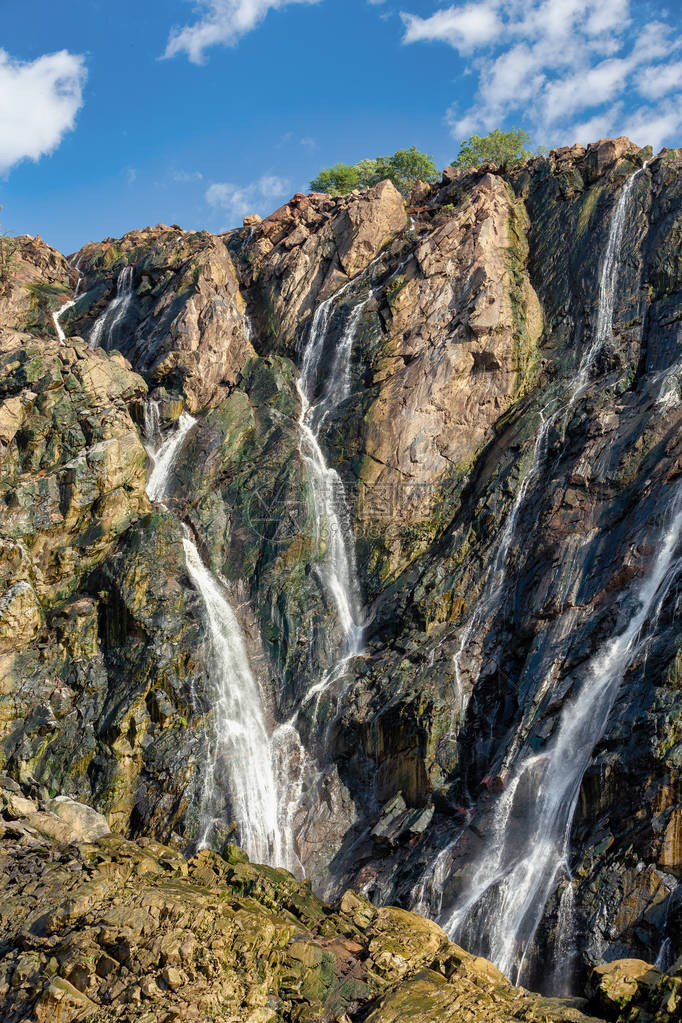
(8, 249)
(505, 148)
(406, 167)
(367, 172)
(336, 180)
(403, 168)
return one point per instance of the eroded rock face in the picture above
(116, 930)
(462, 326)
(307, 249)
(92, 613)
(472, 319)
(41, 281)
(184, 325)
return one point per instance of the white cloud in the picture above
(465, 27)
(238, 200)
(221, 22)
(656, 125)
(39, 101)
(659, 80)
(187, 177)
(566, 69)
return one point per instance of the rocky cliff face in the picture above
(117, 930)
(504, 447)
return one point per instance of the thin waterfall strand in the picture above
(520, 879)
(333, 533)
(107, 326)
(57, 315)
(510, 887)
(493, 585)
(240, 756)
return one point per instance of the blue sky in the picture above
(118, 115)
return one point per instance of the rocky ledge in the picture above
(94, 926)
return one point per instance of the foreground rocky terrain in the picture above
(503, 511)
(101, 928)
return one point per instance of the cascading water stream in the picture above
(297, 772)
(57, 315)
(240, 747)
(239, 768)
(333, 532)
(493, 585)
(513, 882)
(104, 332)
(514, 878)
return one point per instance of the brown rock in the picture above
(613, 986)
(603, 154)
(367, 224)
(671, 852)
(454, 357)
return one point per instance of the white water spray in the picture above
(512, 882)
(105, 331)
(238, 781)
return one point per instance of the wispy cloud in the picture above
(39, 101)
(568, 69)
(238, 200)
(187, 177)
(221, 23)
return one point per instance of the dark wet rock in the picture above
(475, 321)
(116, 930)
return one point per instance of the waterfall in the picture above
(104, 333)
(57, 315)
(240, 747)
(667, 952)
(513, 881)
(163, 452)
(514, 878)
(494, 582)
(238, 778)
(333, 532)
(565, 950)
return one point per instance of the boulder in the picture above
(87, 824)
(613, 987)
(367, 224)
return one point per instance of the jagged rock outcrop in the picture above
(110, 929)
(184, 324)
(40, 277)
(504, 515)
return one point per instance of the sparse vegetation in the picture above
(404, 168)
(505, 148)
(8, 258)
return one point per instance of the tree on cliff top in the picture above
(8, 249)
(403, 168)
(505, 148)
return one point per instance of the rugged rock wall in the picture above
(115, 930)
(480, 300)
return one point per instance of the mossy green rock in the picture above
(115, 930)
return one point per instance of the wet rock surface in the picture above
(479, 303)
(118, 930)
